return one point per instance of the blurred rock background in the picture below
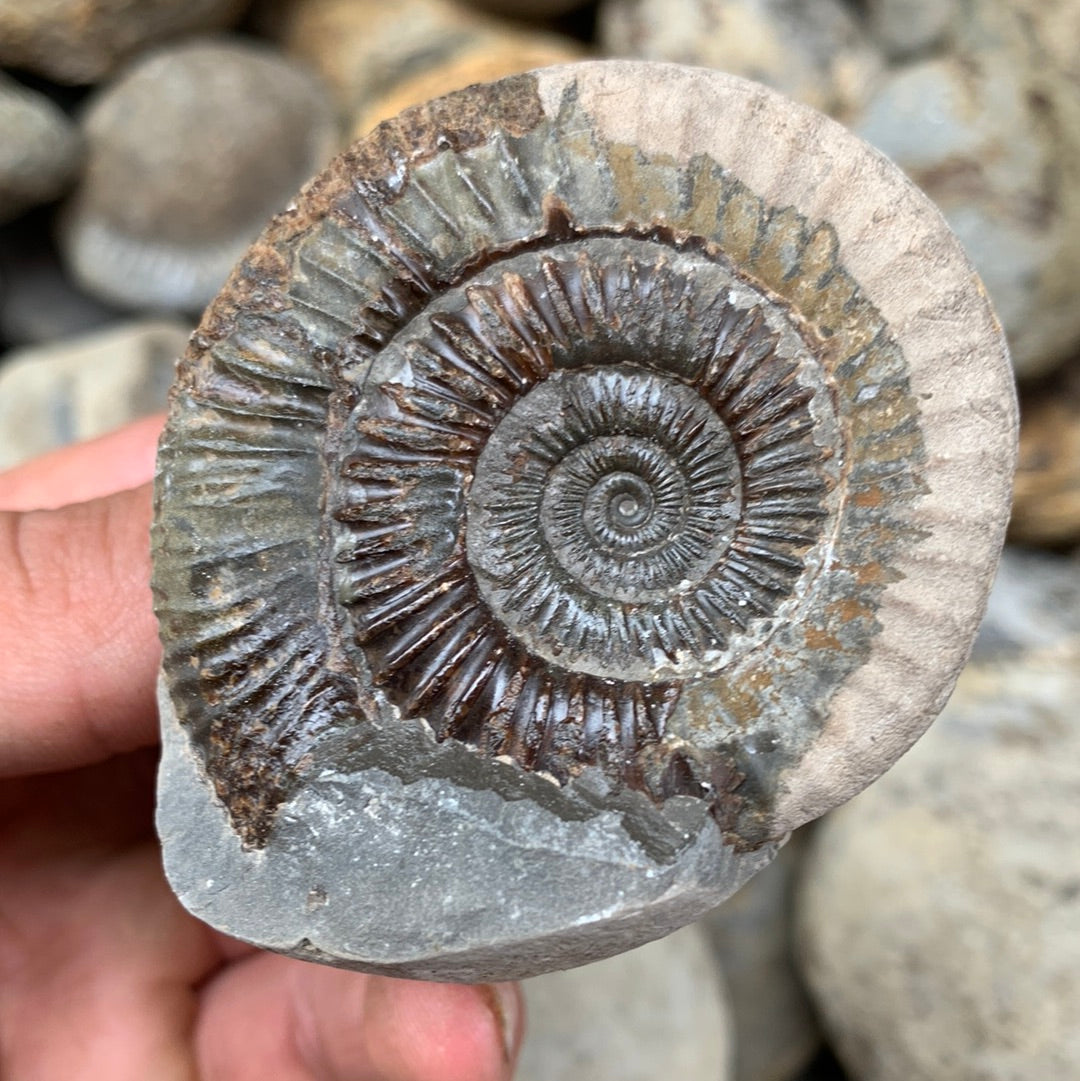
(930, 930)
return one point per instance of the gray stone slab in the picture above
(429, 879)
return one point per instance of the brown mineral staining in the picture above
(872, 574)
(816, 639)
(568, 447)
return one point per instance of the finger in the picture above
(78, 641)
(99, 967)
(75, 474)
(322, 1024)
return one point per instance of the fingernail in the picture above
(505, 1004)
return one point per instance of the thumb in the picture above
(78, 642)
(316, 1023)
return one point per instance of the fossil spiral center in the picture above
(617, 508)
(628, 477)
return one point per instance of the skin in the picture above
(102, 973)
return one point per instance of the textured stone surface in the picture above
(55, 394)
(776, 1033)
(177, 185)
(72, 41)
(987, 125)
(659, 1011)
(39, 149)
(527, 505)
(816, 52)
(975, 132)
(941, 913)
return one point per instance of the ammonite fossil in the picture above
(591, 477)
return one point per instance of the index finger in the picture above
(78, 640)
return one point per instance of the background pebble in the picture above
(659, 1011)
(176, 185)
(73, 41)
(940, 911)
(813, 50)
(776, 1033)
(38, 301)
(903, 28)
(56, 394)
(39, 149)
(1046, 498)
(381, 58)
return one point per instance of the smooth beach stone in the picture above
(1046, 498)
(816, 51)
(906, 27)
(40, 149)
(189, 152)
(940, 912)
(78, 388)
(988, 128)
(567, 497)
(658, 1011)
(72, 41)
(751, 934)
(39, 303)
(381, 58)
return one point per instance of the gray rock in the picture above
(189, 153)
(659, 1011)
(40, 149)
(940, 916)
(39, 303)
(71, 41)
(776, 1033)
(971, 133)
(816, 52)
(988, 128)
(1034, 607)
(497, 887)
(903, 28)
(56, 394)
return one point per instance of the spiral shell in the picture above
(618, 425)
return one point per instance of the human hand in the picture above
(102, 973)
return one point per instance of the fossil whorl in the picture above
(621, 425)
(590, 473)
